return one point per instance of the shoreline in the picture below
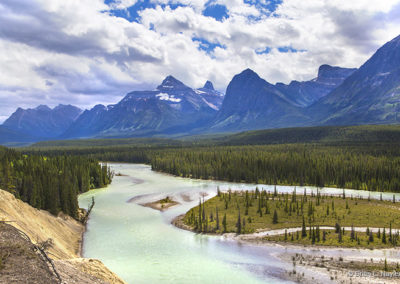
(258, 237)
(339, 269)
(311, 188)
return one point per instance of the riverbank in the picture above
(312, 258)
(279, 220)
(63, 232)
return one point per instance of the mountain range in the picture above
(39, 123)
(337, 96)
(171, 108)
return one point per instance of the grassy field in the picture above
(257, 210)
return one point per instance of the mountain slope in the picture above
(8, 136)
(305, 93)
(172, 108)
(369, 95)
(42, 122)
(213, 97)
(253, 103)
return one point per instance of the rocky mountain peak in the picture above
(209, 86)
(171, 83)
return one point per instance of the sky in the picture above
(86, 52)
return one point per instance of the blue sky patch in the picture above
(216, 11)
(132, 13)
(269, 5)
(206, 45)
(263, 50)
(287, 49)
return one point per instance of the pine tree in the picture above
(303, 229)
(217, 219)
(224, 223)
(275, 217)
(239, 225)
(200, 223)
(352, 234)
(384, 236)
(371, 237)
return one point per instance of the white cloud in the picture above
(76, 51)
(123, 4)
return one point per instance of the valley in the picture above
(199, 141)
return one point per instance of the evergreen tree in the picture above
(239, 224)
(303, 229)
(217, 218)
(224, 224)
(352, 234)
(384, 236)
(275, 217)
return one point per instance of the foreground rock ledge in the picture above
(39, 226)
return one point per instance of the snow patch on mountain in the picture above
(167, 97)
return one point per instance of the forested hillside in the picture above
(358, 157)
(50, 183)
(373, 167)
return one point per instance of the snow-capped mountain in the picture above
(171, 108)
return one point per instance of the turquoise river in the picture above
(141, 246)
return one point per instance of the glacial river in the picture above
(141, 245)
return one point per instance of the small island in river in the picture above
(162, 204)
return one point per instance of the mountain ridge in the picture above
(337, 96)
(42, 121)
(172, 108)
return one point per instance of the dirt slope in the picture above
(66, 234)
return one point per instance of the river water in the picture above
(141, 246)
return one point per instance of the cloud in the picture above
(86, 52)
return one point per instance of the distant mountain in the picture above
(371, 95)
(42, 122)
(172, 108)
(213, 97)
(305, 93)
(253, 103)
(337, 96)
(11, 137)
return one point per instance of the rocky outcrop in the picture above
(66, 237)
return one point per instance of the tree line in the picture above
(51, 183)
(374, 167)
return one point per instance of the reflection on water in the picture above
(141, 245)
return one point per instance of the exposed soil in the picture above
(19, 263)
(178, 222)
(161, 205)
